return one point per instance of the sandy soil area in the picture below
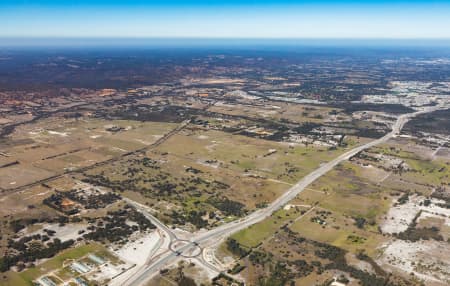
(139, 250)
(66, 232)
(401, 216)
(428, 260)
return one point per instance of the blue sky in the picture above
(225, 19)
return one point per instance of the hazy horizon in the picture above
(269, 19)
(214, 42)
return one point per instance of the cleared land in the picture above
(349, 209)
(212, 173)
(53, 146)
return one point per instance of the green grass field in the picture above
(26, 277)
(257, 233)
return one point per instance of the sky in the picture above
(268, 19)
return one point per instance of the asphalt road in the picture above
(215, 236)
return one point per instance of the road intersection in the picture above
(194, 244)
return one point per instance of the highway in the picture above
(215, 236)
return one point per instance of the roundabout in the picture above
(185, 248)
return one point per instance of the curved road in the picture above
(214, 236)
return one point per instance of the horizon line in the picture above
(213, 38)
(132, 41)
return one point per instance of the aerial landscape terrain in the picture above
(225, 166)
(224, 143)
